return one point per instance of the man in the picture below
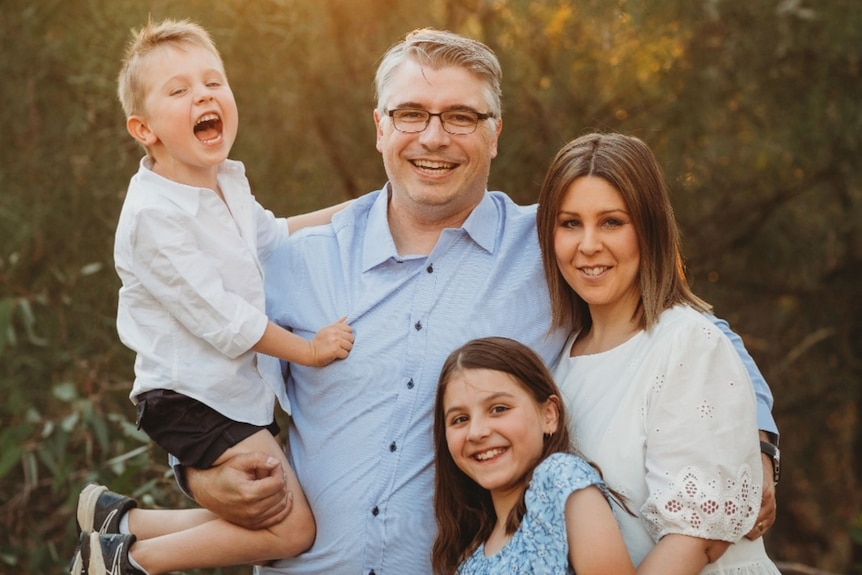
(420, 267)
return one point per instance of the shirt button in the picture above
(418, 325)
(376, 511)
(430, 269)
(392, 446)
(410, 384)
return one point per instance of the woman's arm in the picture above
(765, 421)
(596, 544)
(703, 459)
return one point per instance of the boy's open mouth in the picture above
(208, 128)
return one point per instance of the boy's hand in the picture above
(332, 342)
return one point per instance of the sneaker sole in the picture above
(77, 564)
(87, 501)
(97, 560)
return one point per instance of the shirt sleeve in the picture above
(271, 231)
(765, 420)
(703, 468)
(187, 283)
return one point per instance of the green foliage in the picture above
(752, 107)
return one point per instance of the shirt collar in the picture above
(187, 198)
(481, 226)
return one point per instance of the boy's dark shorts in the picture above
(190, 430)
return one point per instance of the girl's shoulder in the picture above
(562, 474)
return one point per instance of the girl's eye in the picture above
(214, 84)
(613, 223)
(497, 409)
(458, 419)
(570, 224)
(177, 91)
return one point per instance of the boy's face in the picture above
(190, 120)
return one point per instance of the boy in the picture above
(189, 246)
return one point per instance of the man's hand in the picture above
(248, 489)
(768, 503)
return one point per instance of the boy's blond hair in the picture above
(131, 83)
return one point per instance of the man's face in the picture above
(436, 175)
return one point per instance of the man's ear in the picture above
(140, 130)
(379, 128)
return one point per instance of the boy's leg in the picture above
(149, 523)
(221, 543)
(101, 510)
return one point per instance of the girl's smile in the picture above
(495, 429)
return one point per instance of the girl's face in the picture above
(495, 429)
(596, 244)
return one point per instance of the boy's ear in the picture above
(140, 130)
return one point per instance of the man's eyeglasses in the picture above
(456, 122)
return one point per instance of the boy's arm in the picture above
(332, 342)
(316, 218)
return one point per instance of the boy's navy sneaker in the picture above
(100, 510)
(78, 567)
(108, 554)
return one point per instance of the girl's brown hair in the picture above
(465, 514)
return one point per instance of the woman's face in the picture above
(596, 245)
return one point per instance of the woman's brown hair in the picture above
(628, 165)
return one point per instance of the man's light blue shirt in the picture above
(360, 436)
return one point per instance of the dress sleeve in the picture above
(703, 468)
(168, 263)
(554, 480)
(765, 420)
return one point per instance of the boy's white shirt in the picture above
(192, 303)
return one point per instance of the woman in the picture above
(657, 396)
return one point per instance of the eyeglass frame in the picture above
(479, 118)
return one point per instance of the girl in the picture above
(508, 496)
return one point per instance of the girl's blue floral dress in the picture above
(540, 545)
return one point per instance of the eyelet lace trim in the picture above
(722, 508)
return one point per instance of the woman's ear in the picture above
(551, 415)
(140, 130)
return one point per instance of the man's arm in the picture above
(316, 218)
